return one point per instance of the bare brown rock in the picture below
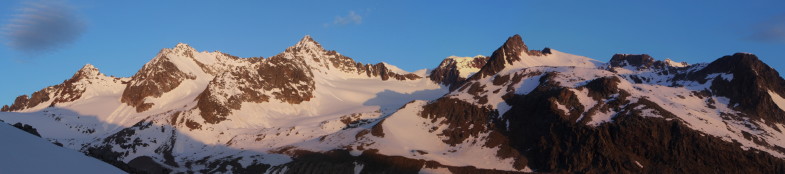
(154, 79)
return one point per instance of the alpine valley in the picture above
(311, 110)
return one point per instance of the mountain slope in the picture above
(310, 109)
(26, 153)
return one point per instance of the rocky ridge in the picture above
(519, 110)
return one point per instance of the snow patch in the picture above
(724, 76)
(777, 99)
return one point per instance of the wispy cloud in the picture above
(351, 18)
(771, 30)
(41, 26)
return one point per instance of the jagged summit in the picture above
(88, 68)
(182, 45)
(519, 110)
(307, 43)
(673, 63)
(515, 43)
(87, 71)
(453, 70)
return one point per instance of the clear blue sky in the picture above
(118, 37)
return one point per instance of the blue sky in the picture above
(118, 37)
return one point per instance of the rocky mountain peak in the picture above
(673, 63)
(454, 70)
(182, 46)
(515, 43)
(509, 52)
(180, 49)
(307, 43)
(87, 71)
(635, 60)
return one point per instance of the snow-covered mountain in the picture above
(308, 109)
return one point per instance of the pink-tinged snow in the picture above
(249, 132)
(778, 100)
(21, 152)
(437, 170)
(556, 58)
(463, 65)
(406, 133)
(395, 69)
(672, 63)
(528, 85)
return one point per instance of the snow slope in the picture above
(342, 101)
(21, 152)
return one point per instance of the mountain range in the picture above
(519, 110)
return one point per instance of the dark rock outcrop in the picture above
(508, 53)
(748, 89)
(340, 161)
(448, 72)
(27, 128)
(153, 80)
(554, 143)
(636, 60)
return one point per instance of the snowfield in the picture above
(22, 152)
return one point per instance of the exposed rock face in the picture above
(154, 79)
(631, 144)
(749, 86)
(636, 60)
(519, 109)
(68, 91)
(370, 161)
(508, 53)
(27, 128)
(643, 61)
(452, 71)
(286, 80)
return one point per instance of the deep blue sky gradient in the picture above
(121, 36)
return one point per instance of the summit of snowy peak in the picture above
(672, 63)
(183, 46)
(308, 43)
(88, 67)
(87, 71)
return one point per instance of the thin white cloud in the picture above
(771, 30)
(43, 25)
(351, 18)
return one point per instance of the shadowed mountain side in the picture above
(126, 148)
(389, 101)
(25, 153)
(124, 142)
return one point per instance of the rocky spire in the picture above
(509, 52)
